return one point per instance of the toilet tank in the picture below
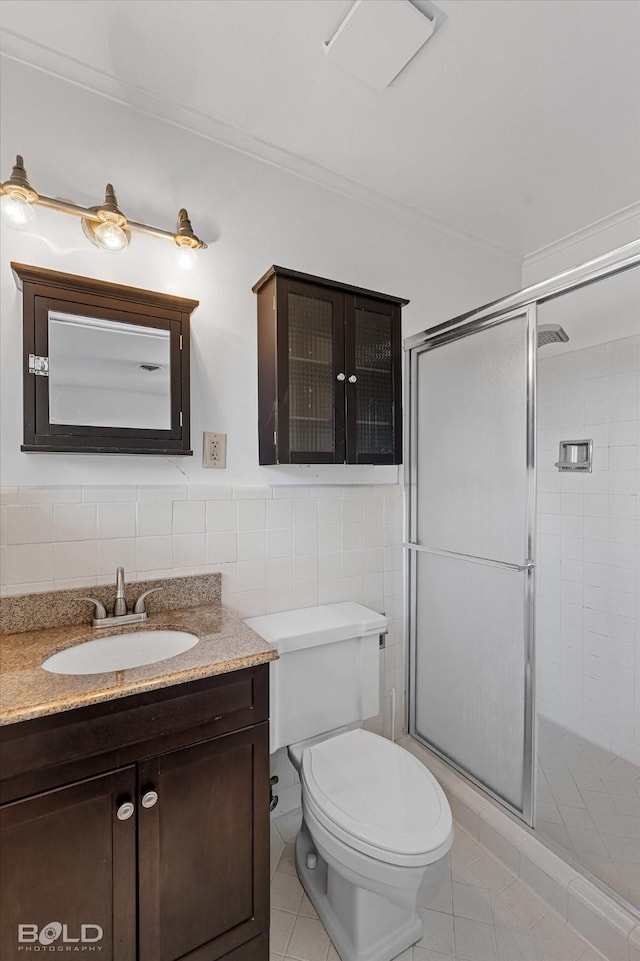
(327, 673)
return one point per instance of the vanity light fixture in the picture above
(18, 198)
(105, 225)
(186, 240)
(110, 230)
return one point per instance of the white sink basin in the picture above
(119, 652)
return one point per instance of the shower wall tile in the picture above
(588, 586)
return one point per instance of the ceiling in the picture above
(518, 122)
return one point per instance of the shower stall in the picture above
(522, 557)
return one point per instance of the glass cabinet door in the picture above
(316, 379)
(374, 426)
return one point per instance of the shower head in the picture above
(551, 334)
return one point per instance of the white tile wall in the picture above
(277, 548)
(588, 652)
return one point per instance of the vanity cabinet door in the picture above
(68, 871)
(204, 848)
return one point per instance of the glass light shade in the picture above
(187, 257)
(17, 212)
(111, 237)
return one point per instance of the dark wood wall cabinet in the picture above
(105, 367)
(139, 828)
(329, 371)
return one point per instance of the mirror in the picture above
(106, 368)
(107, 374)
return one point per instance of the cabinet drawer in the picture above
(57, 749)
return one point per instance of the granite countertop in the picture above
(28, 691)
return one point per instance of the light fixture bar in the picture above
(19, 188)
(66, 207)
(87, 213)
(154, 231)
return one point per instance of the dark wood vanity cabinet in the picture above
(162, 857)
(329, 372)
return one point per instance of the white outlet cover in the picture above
(214, 449)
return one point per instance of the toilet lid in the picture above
(377, 798)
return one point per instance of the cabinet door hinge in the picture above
(38, 365)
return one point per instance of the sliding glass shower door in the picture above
(471, 550)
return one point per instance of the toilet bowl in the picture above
(376, 831)
(376, 825)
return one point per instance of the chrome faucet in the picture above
(120, 604)
(120, 615)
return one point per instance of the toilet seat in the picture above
(376, 798)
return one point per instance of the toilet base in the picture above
(362, 925)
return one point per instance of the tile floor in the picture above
(481, 914)
(588, 802)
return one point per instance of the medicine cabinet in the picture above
(105, 367)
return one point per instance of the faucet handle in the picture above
(139, 606)
(100, 610)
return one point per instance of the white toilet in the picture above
(376, 824)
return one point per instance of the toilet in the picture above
(376, 825)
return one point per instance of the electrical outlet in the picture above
(214, 449)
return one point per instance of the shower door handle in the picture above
(474, 558)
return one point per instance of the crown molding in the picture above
(614, 219)
(46, 60)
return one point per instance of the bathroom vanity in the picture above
(137, 823)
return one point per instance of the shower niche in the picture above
(575, 455)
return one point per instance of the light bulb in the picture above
(187, 257)
(111, 237)
(16, 211)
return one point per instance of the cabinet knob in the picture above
(125, 810)
(149, 798)
(340, 377)
(353, 379)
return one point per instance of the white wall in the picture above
(255, 214)
(588, 586)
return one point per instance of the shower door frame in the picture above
(471, 329)
(522, 302)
